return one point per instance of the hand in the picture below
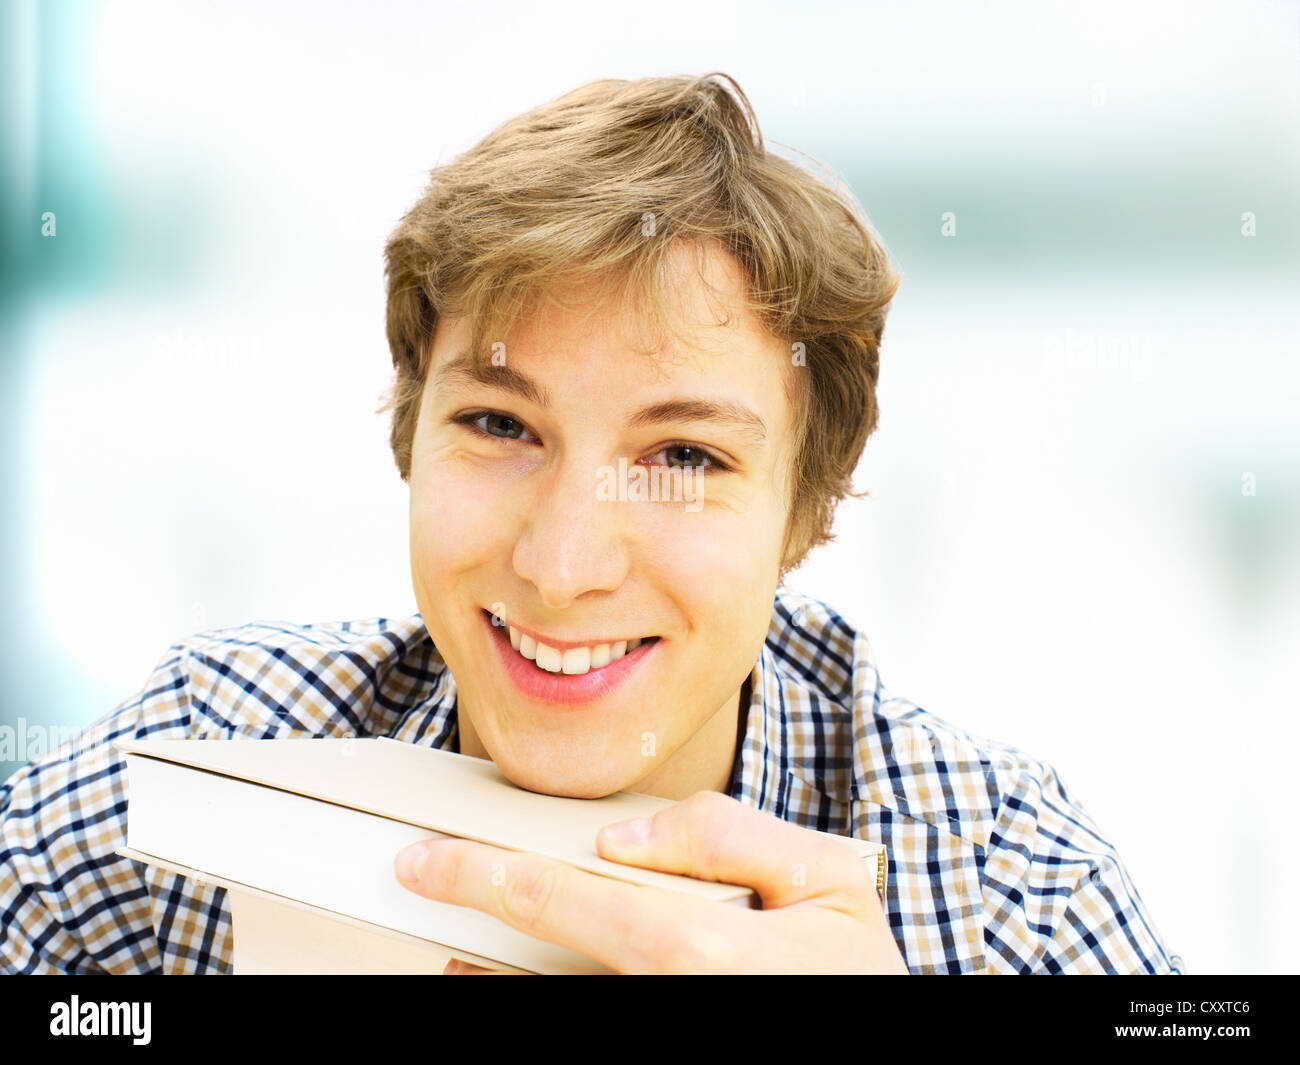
(820, 910)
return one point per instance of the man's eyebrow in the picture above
(726, 412)
(465, 369)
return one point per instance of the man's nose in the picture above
(574, 541)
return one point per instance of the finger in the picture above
(456, 967)
(628, 927)
(714, 837)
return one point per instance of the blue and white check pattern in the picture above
(993, 865)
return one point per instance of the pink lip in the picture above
(562, 689)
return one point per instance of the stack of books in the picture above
(303, 833)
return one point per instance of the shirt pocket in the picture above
(933, 897)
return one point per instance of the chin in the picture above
(570, 781)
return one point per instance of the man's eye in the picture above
(493, 423)
(501, 425)
(689, 457)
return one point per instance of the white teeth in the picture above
(549, 659)
(576, 660)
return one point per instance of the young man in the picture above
(620, 289)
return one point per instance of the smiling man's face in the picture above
(511, 514)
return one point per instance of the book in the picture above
(303, 833)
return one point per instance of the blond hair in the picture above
(569, 191)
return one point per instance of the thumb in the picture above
(711, 836)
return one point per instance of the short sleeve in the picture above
(1057, 896)
(68, 902)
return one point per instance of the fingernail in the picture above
(410, 861)
(628, 833)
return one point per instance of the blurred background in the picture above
(1083, 529)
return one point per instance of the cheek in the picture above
(454, 524)
(721, 565)
(733, 528)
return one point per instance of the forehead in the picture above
(704, 332)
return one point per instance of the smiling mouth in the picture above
(570, 661)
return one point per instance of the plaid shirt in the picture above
(993, 866)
